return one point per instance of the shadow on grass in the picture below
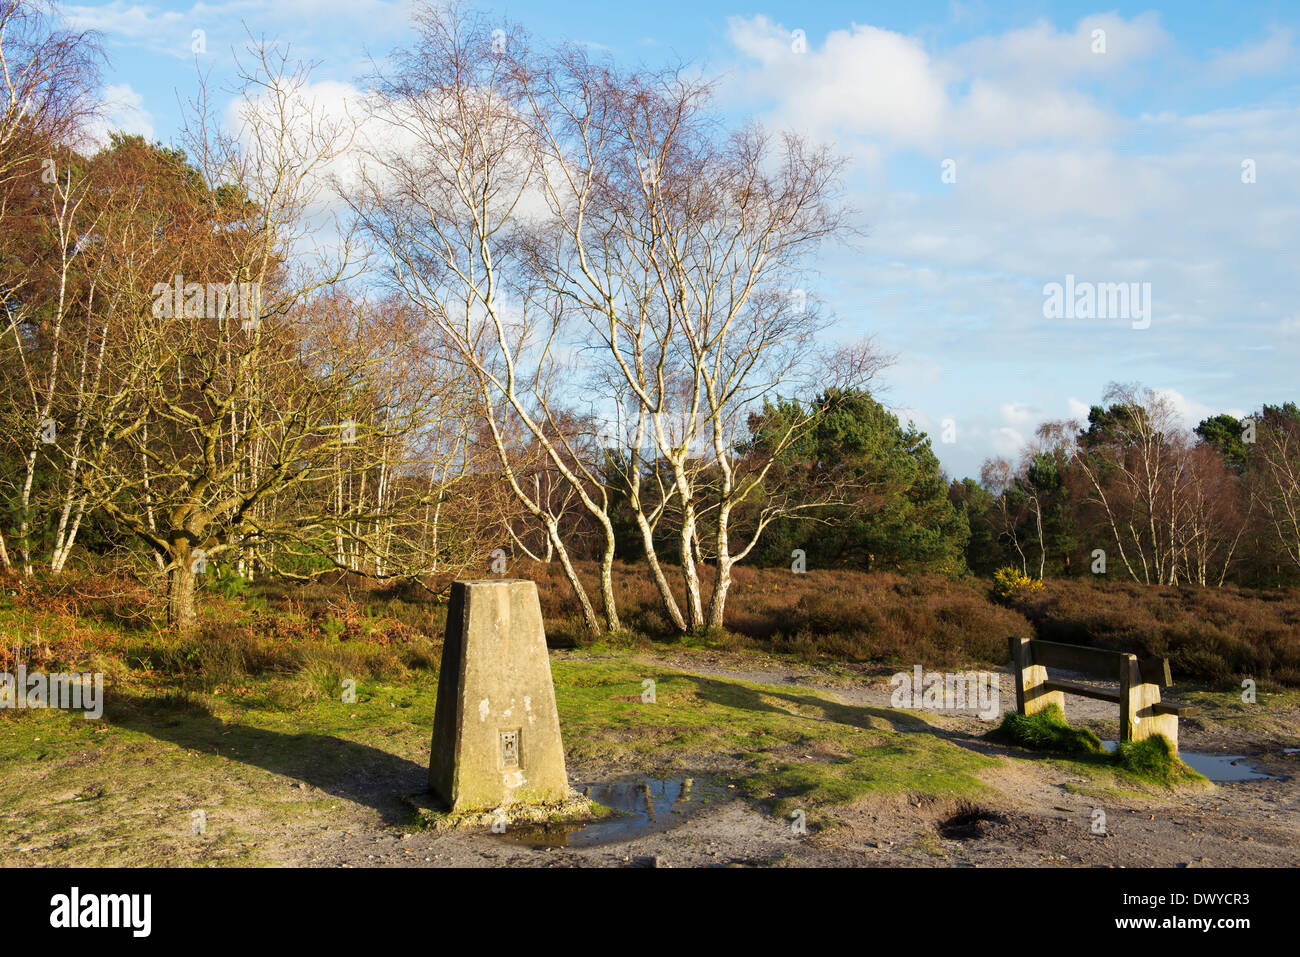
(336, 766)
(988, 743)
(729, 694)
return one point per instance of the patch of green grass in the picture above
(1153, 759)
(1148, 762)
(1047, 730)
(790, 748)
(902, 765)
(266, 765)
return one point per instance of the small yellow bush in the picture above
(1009, 581)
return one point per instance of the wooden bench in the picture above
(1141, 712)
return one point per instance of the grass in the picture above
(1153, 759)
(1148, 762)
(1047, 730)
(155, 760)
(123, 790)
(1265, 716)
(245, 721)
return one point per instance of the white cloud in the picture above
(1190, 412)
(865, 82)
(133, 20)
(1003, 114)
(1007, 442)
(1019, 413)
(121, 110)
(862, 81)
(169, 32)
(1044, 54)
(915, 416)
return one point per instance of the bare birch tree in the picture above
(685, 248)
(443, 196)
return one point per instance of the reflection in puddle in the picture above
(640, 806)
(1217, 767)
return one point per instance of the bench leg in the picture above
(1149, 723)
(1138, 720)
(1030, 696)
(1130, 699)
(1167, 725)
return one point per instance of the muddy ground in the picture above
(1034, 819)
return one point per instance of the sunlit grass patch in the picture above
(1047, 730)
(1148, 762)
(792, 747)
(1152, 759)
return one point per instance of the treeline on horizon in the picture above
(514, 348)
(1132, 494)
(1208, 506)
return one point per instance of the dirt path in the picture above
(1034, 820)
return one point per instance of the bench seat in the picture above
(1084, 691)
(1112, 695)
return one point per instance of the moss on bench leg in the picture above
(1155, 758)
(1047, 730)
(1152, 760)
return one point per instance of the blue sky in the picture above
(1118, 165)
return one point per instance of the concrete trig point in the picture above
(496, 732)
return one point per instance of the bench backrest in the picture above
(1097, 662)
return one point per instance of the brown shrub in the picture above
(1218, 634)
(109, 595)
(818, 615)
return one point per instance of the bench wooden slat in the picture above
(1181, 710)
(1084, 691)
(1094, 662)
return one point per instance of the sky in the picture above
(1141, 162)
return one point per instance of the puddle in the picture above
(641, 806)
(1217, 767)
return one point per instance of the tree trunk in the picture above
(661, 580)
(690, 575)
(62, 557)
(180, 591)
(588, 612)
(24, 526)
(721, 583)
(612, 623)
